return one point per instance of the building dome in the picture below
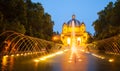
(76, 22)
(80, 35)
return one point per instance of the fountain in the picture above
(16, 48)
(13, 43)
(73, 46)
(108, 46)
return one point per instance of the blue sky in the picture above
(62, 10)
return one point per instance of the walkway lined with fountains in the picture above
(63, 60)
(13, 43)
(23, 53)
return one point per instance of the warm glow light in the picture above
(28, 53)
(54, 38)
(36, 60)
(12, 55)
(21, 54)
(78, 39)
(111, 60)
(6, 56)
(73, 49)
(51, 55)
(4, 61)
(70, 61)
(83, 50)
(68, 41)
(60, 52)
(80, 60)
(102, 57)
(17, 54)
(25, 54)
(98, 56)
(42, 58)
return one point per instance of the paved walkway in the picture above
(68, 61)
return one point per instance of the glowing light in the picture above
(83, 50)
(68, 41)
(31, 53)
(111, 60)
(54, 38)
(98, 56)
(49, 56)
(60, 52)
(102, 57)
(4, 61)
(6, 56)
(79, 60)
(70, 61)
(12, 55)
(79, 39)
(73, 49)
(42, 58)
(28, 53)
(21, 54)
(25, 54)
(36, 60)
(17, 54)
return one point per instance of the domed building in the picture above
(74, 31)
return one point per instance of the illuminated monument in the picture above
(74, 32)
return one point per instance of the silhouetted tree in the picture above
(108, 24)
(25, 17)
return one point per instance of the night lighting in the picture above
(111, 60)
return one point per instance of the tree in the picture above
(27, 16)
(16, 16)
(1, 22)
(90, 38)
(48, 25)
(108, 23)
(16, 26)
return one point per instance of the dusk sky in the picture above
(62, 10)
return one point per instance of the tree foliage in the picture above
(108, 23)
(25, 17)
(90, 38)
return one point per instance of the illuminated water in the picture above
(28, 49)
(86, 62)
(17, 51)
(73, 35)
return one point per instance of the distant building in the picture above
(80, 33)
